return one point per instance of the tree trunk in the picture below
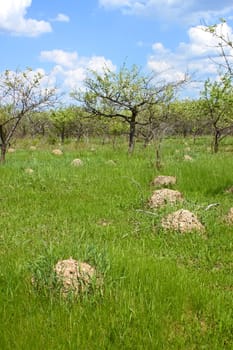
(216, 141)
(147, 140)
(3, 153)
(157, 159)
(185, 132)
(114, 140)
(3, 145)
(62, 134)
(43, 130)
(132, 129)
(158, 163)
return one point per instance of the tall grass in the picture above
(161, 290)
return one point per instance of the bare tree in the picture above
(20, 94)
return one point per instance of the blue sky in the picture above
(65, 37)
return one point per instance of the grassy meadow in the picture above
(162, 290)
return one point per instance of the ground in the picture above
(162, 290)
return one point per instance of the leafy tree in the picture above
(156, 118)
(21, 93)
(34, 124)
(125, 94)
(62, 120)
(186, 117)
(217, 105)
(40, 123)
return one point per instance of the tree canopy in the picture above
(21, 93)
(125, 94)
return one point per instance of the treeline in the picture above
(211, 114)
(180, 118)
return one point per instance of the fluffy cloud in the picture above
(12, 19)
(98, 63)
(188, 11)
(202, 43)
(60, 57)
(192, 56)
(71, 69)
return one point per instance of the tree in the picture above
(217, 105)
(124, 94)
(156, 118)
(186, 117)
(21, 93)
(38, 123)
(62, 120)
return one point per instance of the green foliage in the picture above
(217, 105)
(21, 93)
(218, 95)
(119, 93)
(62, 116)
(126, 94)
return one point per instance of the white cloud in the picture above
(165, 70)
(159, 66)
(97, 63)
(193, 56)
(145, 5)
(61, 17)
(158, 47)
(60, 57)
(13, 20)
(204, 66)
(71, 69)
(188, 11)
(202, 42)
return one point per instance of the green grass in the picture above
(162, 290)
